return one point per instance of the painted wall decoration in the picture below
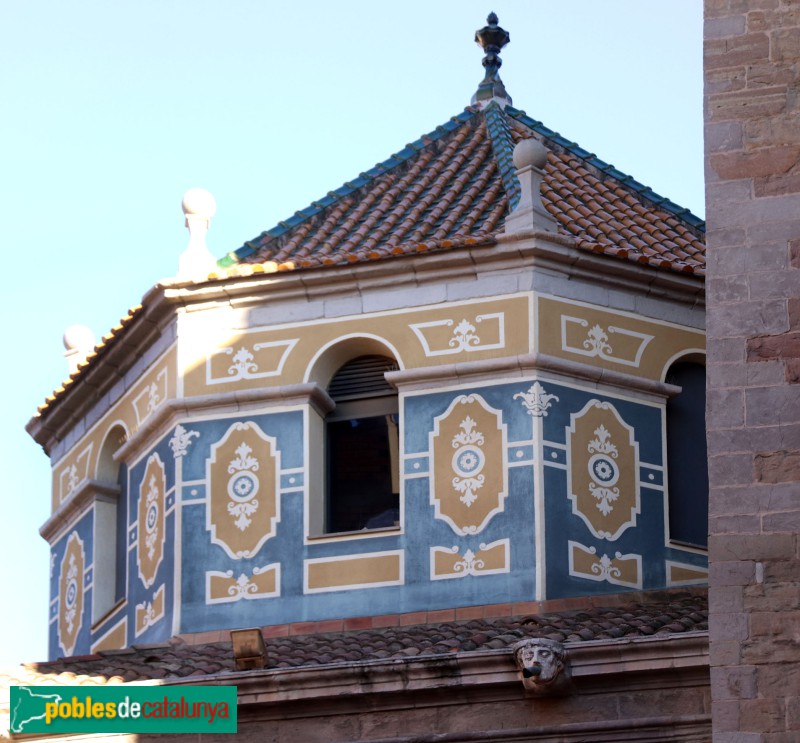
(457, 562)
(112, 639)
(619, 569)
(536, 400)
(603, 476)
(152, 520)
(256, 361)
(469, 480)
(577, 337)
(223, 587)
(368, 570)
(74, 472)
(71, 593)
(180, 441)
(228, 358)
(681, 574)
(612, 339)
(151, 397)
(475, 332)
(514, 487)
(134, 408)
(244, 508)
(149, 613)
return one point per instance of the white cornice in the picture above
(522, 365)
(84, 496)
(530, 250)
(173, 411)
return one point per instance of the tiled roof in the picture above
(457, 184)
(106, 342)
(667, 614)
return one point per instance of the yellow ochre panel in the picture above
(613, 340)
(226, 359)
(359, 571)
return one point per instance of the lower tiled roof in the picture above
(663, 615)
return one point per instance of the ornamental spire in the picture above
(491, 38)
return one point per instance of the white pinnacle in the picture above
(197, 261)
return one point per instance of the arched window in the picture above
(362, 448)
(110, 521)
(687, 457)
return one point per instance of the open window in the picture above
(362, 471)
(687, 457)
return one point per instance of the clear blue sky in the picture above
(110, 111)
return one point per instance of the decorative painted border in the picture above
(604, 568)
(597, 341)
(348, 567)
(244, 587)
(244, 364)
(673, 568)
(464, 337)
(150, 613)
(110, 639)
(471, 563)
(151, 397)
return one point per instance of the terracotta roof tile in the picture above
(459, 181)
(665, 614)
(106, 342)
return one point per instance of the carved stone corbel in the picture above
(543, 666)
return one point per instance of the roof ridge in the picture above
(624, 179)
(393, 161)
(503, 149)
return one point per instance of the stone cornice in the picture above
(85, 494)
(488, 370)
(668, 661)
(233, 403)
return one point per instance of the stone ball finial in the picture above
(199, 202)
(78, 338)
(529, 152)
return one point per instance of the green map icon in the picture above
(28, 705)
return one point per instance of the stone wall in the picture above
(752, 83)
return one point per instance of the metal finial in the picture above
(491, 38)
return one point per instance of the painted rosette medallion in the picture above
(152, 520)
(603, 488)
(468, 483)
(243, 509)
(70, 594)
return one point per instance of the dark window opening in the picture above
(687, 456)
(362, 445)
(121, 562)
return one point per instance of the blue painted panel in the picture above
(519, 454)
(193, 492)
(84, 528)
(650, 475)
(292, 481)
(646, 538)
(554, 455)
(416, 465)
(286, 427)
(421, 530)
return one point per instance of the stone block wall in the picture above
(752, 102)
